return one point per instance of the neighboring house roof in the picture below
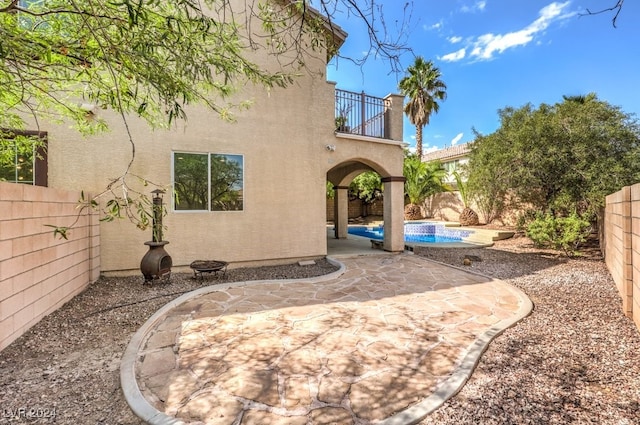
(448, 153)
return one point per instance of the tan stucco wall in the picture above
(621, 246)
(284, 179)
(40, 272)
(445, 206)
(283, 139)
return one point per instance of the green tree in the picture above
(61, 58)
(367, 186)
(424, 88)
(423, 179)
(559, 158)
(487, 180)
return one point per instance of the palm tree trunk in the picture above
(419, 141)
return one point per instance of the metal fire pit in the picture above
(208, 266)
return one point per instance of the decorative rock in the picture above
(474, 258)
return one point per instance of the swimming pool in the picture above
(417, 232)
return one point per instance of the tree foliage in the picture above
(367, 186)
(152, 58)
(60, 59)
(423, 179)
(424, 88)
(560, 158)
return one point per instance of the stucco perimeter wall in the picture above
(39, 273)
(621, 246)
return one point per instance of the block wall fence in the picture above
(357, 208)
(620, 246)
(39, 273)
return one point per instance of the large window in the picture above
(207, 182)
(23, 157)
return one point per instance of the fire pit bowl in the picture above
(208, 266)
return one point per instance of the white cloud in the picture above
(486, 46)
(454, 39)
(479, 5)
(456, 139)
(429, 149)
(437, 26)
(454, 56)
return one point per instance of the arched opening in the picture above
(340, 177)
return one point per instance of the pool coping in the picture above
(480, 238)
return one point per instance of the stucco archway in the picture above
(341, 176)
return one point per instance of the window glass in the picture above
(226, 182)
(208, 182)
(17, 160)
(190, 181)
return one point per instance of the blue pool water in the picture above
(416, 232)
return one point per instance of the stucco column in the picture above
(341, 211)
(394, 115)
(393, 213)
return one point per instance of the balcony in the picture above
(360, 114)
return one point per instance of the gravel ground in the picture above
(66, 368)
(575, 359)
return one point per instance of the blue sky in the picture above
(498, 53)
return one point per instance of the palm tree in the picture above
(424, 88)
(423, 179)
(581, 99)
(468, 217)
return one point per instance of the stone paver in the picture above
(386, 341)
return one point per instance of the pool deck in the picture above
(386, 340)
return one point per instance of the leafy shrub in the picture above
(524, 217)
(565, 233)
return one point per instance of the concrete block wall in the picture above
(357, 208)
(635, 253)
(39, 273)
(621, 246)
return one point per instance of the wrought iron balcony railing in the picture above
(361, 114)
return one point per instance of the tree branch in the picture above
(616, 7)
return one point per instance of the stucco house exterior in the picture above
(452, 158)
(281, 152)
(447, 206)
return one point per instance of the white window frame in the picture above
(209, 200)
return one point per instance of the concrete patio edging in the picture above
(132, 394)
(462, 373)
(444, 391)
